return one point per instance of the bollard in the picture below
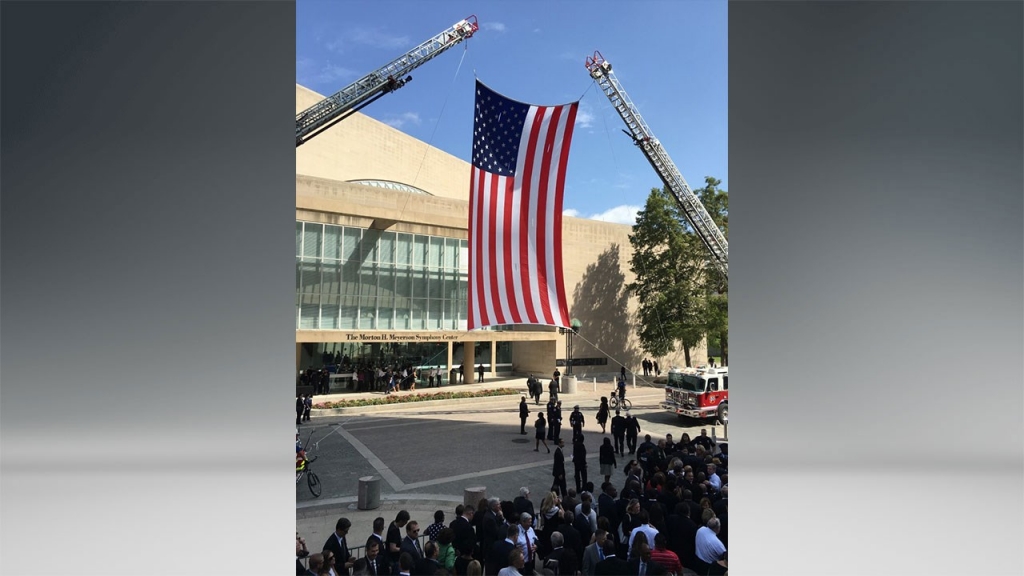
(634, 380)
(568, 384)
(369, 493)
(472, 496)
(595, 384)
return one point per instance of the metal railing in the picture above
(358, 552)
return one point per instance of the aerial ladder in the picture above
(369, 88)
(698, 217)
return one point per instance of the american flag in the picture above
(515, 211)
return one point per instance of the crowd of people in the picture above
(670, 513)
(381, 377)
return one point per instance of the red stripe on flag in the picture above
(481, 298)
(527, 182)
(472, 249)
(542, 196)
(563, 160)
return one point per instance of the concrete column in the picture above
(468, 362)
(448, 368)
(494, 358)
(369, 493)
(472, 496)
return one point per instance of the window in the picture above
(355, 278)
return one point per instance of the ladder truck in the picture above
(706, 229)
(369, 88)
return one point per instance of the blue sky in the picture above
(670, 57)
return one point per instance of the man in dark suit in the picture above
(336, 543)
(373, 563)
(592, 554)
(721, 506)
(558, 470)
(606, 505)
(562, 560)
(522, 503)
(411, 542)
(618, 431)
(428, 565)
(497, 557)
(570, 535)
(642, 565)
(489, 527)
(463, 527)
(611, 565)
(682, 534)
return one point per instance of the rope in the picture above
(416, 178)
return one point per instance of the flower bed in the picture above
(407, 398)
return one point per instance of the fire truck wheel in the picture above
(723, 413)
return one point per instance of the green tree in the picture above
(716, 286)
(682, 296)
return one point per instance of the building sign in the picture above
(403, 337)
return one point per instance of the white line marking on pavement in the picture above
(374, 461)
(383, 426)
(384, 498)
(515, 468)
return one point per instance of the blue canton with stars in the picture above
(497, 129)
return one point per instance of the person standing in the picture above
(551, 419)
(540, 424)
(558, 470)
(556, 421)
(619, 433)
(480, 371)
(579, 462)
(602, 413)
(524, 413)
(607, 459)
(632, 430)
(576, 421)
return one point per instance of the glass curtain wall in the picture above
(360, 279)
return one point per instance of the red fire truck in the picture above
(698, 393)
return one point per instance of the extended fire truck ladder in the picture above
(369, 88)
(709, 233)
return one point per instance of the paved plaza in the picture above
(426, 456)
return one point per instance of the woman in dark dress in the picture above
(602, 413)
(541, 426)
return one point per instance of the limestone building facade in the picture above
(381, 224)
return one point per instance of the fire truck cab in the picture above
(698, 393)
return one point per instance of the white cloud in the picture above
(584, 118)
(536, 30)
(624, 214)
(403, 119)
(496, 26)
(309, 73)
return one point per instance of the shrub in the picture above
(407, 398)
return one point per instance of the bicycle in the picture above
(614, 403)
(312, 480)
